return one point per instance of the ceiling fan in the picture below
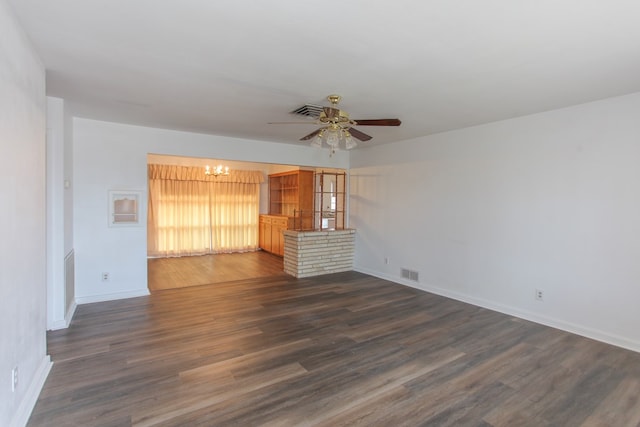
(337, 127)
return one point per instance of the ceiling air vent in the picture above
(308, 110)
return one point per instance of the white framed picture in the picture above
(124, 208)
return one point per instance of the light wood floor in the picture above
(170, 273)
(341, 349)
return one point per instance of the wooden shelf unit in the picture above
(290, 207)
(290, 192)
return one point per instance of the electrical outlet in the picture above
(14, 379)
(539, 295)
(105, 276)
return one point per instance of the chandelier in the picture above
(216, 170)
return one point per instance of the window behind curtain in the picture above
(191, 213)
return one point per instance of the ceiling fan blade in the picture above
(359, 135)
(311, 135)
(331, 112)
(315, 122)
(379, 122)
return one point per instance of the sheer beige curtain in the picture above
(191, 213)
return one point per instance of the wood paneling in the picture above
(341, 349)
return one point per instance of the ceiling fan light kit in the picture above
(338, 129)
(333, 136)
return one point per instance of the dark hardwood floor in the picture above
(341, 349)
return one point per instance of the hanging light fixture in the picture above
(216, 170)
(317, 142)
(334, 135)
(337, 129)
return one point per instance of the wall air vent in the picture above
(308, 110)
(409, 274)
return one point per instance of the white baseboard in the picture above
(21, 417)
(110, 297)
(595, 334)
(70, 313)
(64, 323)
(58, 324)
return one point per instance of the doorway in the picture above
(198, 270)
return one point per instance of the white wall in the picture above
(60, 294)
(114, 156)
(70, 297)
(489, 214)
(55, 213)
(68, 181)
(22, 222)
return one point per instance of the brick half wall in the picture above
(313, 253)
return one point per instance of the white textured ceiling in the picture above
(230, 67)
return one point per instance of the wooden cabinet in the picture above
(271, 237)
(290, 208)
(291, 195)
(264, 235)
(277, 238)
